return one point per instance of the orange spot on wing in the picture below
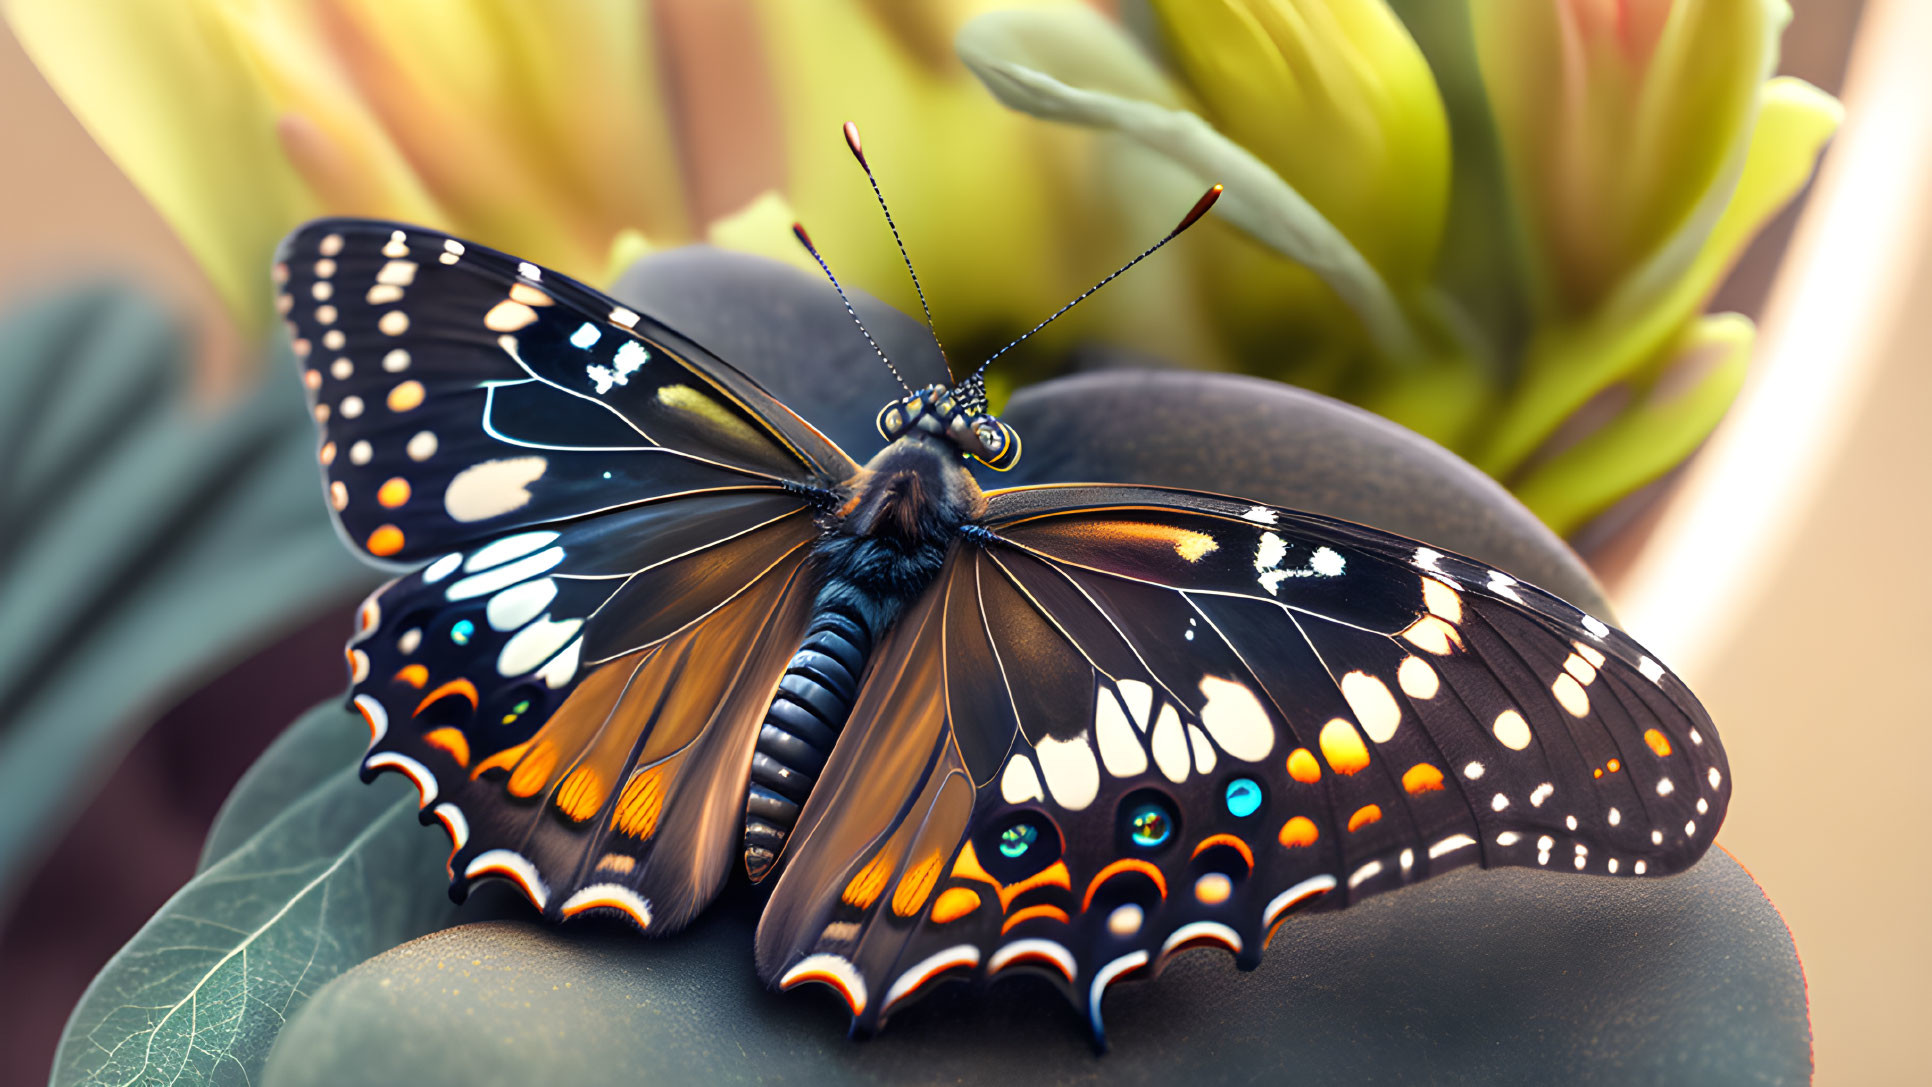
(394, 492)
(863, 889)
(532, 772)
(1303, 767)
(451, 741)
(1054, 876)
(1658, 742)
(386, 540)
(639, 804)
(1299, 831)
(581, 794)
(406, 396)
(502, 760)
(461, 687)
(1125, 864)
(1343, 748)
(1422, 778)
(1032, 912)
(1230, 840)
(968, 867)
(1368, 813)
(953, 904)
(415, 675)
(1615, 766)
(910, 896)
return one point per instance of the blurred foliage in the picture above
(142, 543)
(1484, 219)
(307, 872)
(1493, 221)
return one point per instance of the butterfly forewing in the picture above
(461, 393)
(1207, 714)
(611, 527)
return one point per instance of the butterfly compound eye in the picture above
(892, 420)
(1001, 444)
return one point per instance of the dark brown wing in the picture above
(1181, 717)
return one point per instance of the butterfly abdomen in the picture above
(804, 720)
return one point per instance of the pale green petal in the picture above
(986, 200)
(1334, 96)
(1661, 426)
(1568, 364)
(1018, 55)
(173, 101)
(1623, 126)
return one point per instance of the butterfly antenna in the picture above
(1193, 216)
(858, 152)
(804, 239)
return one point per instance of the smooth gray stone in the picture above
(1474, 977)
(1508, 976)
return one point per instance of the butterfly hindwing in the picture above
(1181, 717)
(461, 393)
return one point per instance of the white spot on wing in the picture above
(502, 577)
(1138, 698)
(613, 896)
(821, 965)
(1511, 730)
(1204, 756)
(519, 604)
(1374, 706)
(417, 772)
(1595, 626)
(1072, 775)
(497, 552)
(1120, 748)
(535, 644)
(1170, 745)
(1651, 670)
(1363, 874)
(492, 488)
(563, 666)
(1426, 557)
(1236, 719)
(442, 568)
(1503, 585)
(1020, 782)
(1450, 845)
(1261, 515)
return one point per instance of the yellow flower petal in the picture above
(1618, 120)
(174, 102)
(986, 200)
(1335, 96)
(1568, 363)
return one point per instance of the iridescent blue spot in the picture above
(1017, 839)
(1149, 825)
(586, 336)
(460, 633)
(1244, 797)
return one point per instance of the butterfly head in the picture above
(951, 416)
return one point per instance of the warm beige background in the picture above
(1821, 691)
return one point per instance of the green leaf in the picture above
(200, 993)
(1072, 65)
(1648, 437)
(300, 759)
(143, 542)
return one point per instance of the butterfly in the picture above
(652, 631)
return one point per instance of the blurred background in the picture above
(1779, 569)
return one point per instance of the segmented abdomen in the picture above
(814, 699)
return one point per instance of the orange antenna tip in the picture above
(852, 141)
(798, 231)
(1200, 208)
